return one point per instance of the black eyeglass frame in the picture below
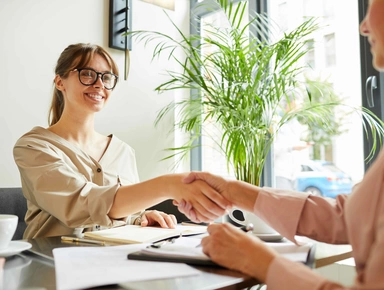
(98, 74)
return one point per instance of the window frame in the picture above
(368, 70)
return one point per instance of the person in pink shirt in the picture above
(357, 219)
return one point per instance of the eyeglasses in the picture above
(88, 77)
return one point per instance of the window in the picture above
(328, 9)
(328, 49)
(283, 15)
(310, 56)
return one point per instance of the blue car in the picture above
(323, 178)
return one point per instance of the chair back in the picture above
(12, 201)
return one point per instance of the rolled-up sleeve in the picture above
(298, 213)
(288, 275)
(291, 213)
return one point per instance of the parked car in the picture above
(323, 178)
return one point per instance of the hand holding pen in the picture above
(246, 228)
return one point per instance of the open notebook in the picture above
(131, 234)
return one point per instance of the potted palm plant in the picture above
(238, 77)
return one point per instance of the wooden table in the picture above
(327, 254)
(30, 271)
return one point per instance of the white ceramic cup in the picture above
(8, 224)
(259, 226)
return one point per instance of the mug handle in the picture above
(233, 218)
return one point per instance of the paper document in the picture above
(131, 234)
(181, 247)
(188, 250)
(85, 267)
(182, 250)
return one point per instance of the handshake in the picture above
(205, 197)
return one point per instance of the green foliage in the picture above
(238, 78)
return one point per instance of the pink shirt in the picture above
(357, 219)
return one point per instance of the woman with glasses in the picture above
(357, 219)
(76, 179)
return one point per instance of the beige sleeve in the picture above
(57, 187)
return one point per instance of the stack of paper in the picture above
(85, 267)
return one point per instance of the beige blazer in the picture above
(67, 189)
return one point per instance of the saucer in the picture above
(276, 237)
(14, 248)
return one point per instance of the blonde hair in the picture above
(74, 56)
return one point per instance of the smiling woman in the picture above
(82, 89)
(78, 56)
(373, 27)
(76, 179)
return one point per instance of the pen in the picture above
(247, 228)
(79, 240)
(159, 243)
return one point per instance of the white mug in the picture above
(259, 226)
(8, 224)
